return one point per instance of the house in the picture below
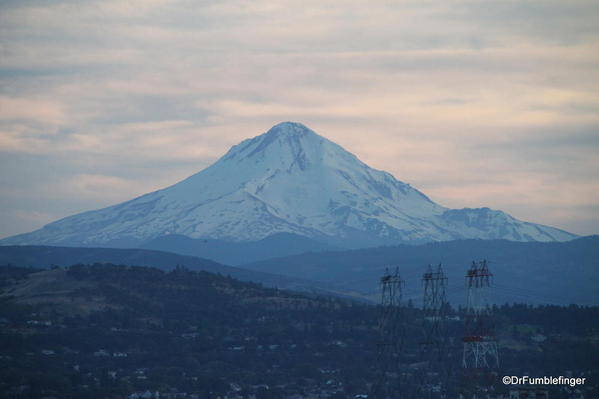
(101, 353)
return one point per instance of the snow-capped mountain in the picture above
(288, 180)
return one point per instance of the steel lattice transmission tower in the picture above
(480, 344)
(434, 302)
(390, 330)
(433, 347)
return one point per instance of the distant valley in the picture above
(527, 272)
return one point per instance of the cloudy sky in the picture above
(476, 103)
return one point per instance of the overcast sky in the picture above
(475, 103)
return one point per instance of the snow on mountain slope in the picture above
(288, 180)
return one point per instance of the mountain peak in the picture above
(286, 142)
(292, 134)
(290, 129)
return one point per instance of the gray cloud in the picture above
(477, 104)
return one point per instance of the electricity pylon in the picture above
(434, 345)
(390, 333)
(480, 343)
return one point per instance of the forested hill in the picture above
(179, 294)
(46, 256)
(110, 331)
